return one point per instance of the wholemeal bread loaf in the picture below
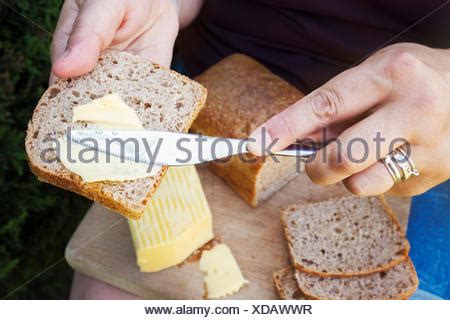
(287, 285)
(344, 236)
(163, 100)
(397, 282)
(242, 94)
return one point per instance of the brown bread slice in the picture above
(344, 236)
(242, 94)
(163, 100)
(287, 285)
(397, 282)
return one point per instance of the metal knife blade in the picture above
(167, 148)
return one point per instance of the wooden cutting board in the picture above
(101, 247)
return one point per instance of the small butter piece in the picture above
(222, 273)
(176, 221)
(108, 112)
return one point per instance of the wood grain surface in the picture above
(101, 247)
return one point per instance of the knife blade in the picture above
(169, 148)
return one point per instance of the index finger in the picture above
(350, 93)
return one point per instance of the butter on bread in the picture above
(242, 94)
(109, 111)
(162, 99)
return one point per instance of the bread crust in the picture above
(240, 176)
(391, 264)
(401, 296)
(93, 190)
(278, 279)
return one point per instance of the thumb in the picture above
(92, 32)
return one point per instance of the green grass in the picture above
(36, 219)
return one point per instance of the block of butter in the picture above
(222, 273)
(176, 222)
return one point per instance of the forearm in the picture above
(188, 11)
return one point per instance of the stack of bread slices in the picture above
(345, 248)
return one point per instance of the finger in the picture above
(52, 79)
(377, 180)
(156, 44)
(362, 145)
(332, 131)
(428, 175)
(69, 13)
(372, 181)
(413, 186)
(323, 135)
(92, 32)
(134, 24)
(345, 96)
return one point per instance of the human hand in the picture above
(86, 27)
(402, 91)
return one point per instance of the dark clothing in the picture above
(308, 42)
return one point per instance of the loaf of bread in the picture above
(344, 236)
(242, 94)
(397, 282)
(163, 100)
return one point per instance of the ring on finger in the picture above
(400, 165)
(392, 168)
(405, 162)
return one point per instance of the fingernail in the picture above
(258, 140)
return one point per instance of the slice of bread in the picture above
(287, 285)
(344, 236)
(397, 282)
(242, 94)
(163, 100)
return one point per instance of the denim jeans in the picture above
(429, 234)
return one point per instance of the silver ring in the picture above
(392, 168)
(405, 163)
(400, 165)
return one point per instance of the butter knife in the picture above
(170, 148)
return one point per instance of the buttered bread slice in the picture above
(162, 99)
